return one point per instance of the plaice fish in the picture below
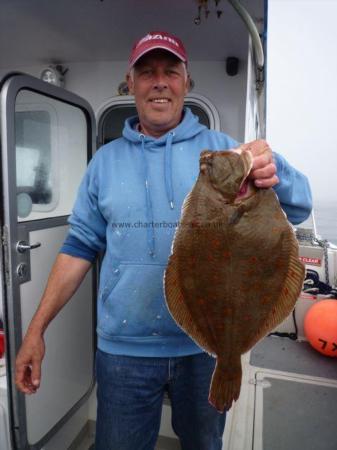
(234, 272)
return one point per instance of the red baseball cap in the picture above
(157, 39)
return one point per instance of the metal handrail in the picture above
(253, 31)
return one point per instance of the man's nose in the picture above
(160, 81)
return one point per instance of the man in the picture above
(142, 179)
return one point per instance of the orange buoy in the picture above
(320, 327)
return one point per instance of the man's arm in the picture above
(293, 191)
(292, 187)
(64, 279)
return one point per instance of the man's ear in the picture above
(130, 83)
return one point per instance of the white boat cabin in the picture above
(259, 69)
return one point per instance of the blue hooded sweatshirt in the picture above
(128, 207)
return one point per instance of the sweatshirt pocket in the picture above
(110, 284)
(132, 303)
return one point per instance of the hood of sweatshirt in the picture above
(187, 129)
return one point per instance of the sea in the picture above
(325, 214)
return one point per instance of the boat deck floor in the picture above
(295, 398)
(297, 357)
(288, 401)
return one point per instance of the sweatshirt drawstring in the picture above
(168, 169)
(149, 210)
(168, 186)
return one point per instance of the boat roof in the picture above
(38, 32)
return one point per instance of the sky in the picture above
(302, 90)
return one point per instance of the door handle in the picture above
(23, 246)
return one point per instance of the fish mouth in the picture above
(243, 189)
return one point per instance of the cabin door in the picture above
(47, 137)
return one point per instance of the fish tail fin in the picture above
(225, 386)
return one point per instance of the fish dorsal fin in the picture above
(188, 200)
(177, 306)
(289, 293)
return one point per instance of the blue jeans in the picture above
(130, 394)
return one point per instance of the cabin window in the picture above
(112, 121)
(51, 155)
(33, 156)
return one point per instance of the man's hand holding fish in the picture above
(264, 170)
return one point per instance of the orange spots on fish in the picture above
(249, 272)
(192, 262)
(265, 300)
(201, 301)
(285, 290)
(257, 285)
(278, 216)
(292, 274)
(247, 317)
(245, 289)
(253, 259)
(216, 243)
(279, 263)
(226, 254)
(210, 258)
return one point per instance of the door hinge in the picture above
(5, 246)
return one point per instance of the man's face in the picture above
(159, 84)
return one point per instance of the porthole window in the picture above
(112, 117)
